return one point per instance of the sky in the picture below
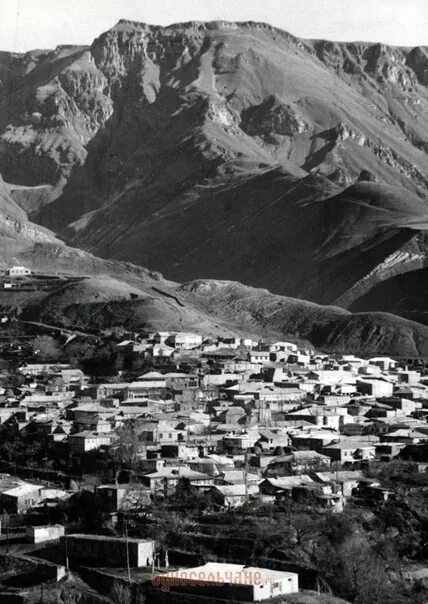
(28, 24)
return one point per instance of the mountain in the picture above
(226, 151)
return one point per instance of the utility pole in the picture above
(246, 476)
(127, 552)
(67, 566)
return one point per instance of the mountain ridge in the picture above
(226, 150)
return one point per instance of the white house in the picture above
(185, 340)
(378, 388)
(40, 534)
(385, 363)
(283, 347)
(230, 581)
(88, 441)
(259, 356)
(19, 271)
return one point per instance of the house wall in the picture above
(109, 552)
(18, 503)
(341, 455)
(224, 591)
(146, 551)
(249, 593)
(82, 445)
(39, 534)
(376, 388)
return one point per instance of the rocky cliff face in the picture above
(225, 150)
(52, 104)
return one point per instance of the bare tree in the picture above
(363, 573)
(127, 447)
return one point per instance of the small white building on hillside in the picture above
(19, 271)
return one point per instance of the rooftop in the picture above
(107, 538)
(238, 574)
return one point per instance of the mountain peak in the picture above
(127, 25)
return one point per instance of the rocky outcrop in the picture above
(273, 117)
(417, 60)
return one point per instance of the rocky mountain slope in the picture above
(225, 151)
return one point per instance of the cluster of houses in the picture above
(237, 420)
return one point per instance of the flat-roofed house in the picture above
(178, 382)
(19, 271)
(113, 498)
(230, 582)
(385, 363)
(184, 340)
(150, 385)
(322, 417)
(88, 441)
(40, 534)
(240, 442)
(375, 387)
(109, 551)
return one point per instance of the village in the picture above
(136, 476)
